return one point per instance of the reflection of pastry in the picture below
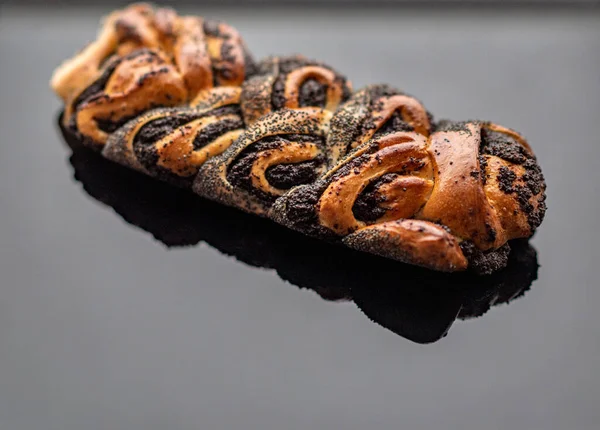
(179, 99)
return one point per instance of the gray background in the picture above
(102, 327)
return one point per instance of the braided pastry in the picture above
(180, 99)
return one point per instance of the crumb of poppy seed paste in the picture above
(447, 125)
(297, 210)
(506, 178)
(488, 262)
(312, 93)
(286, 176)
(507, 148)
(144, 142)
(282, 176)
(158, 128)
(366, 208)
(483, 168)
(212, 131)
(109, 126)
(211, 28)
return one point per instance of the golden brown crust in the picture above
(186, 56)
(411, 241)
(187, 42)
(472, 199)
(122, 32)
(137, 84)
(216, 97)
(514, 221)
(176, 151)
(458, 199)
(135, 29)
(323, 76)
(513, 180)
(402, 153)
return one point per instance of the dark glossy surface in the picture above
(102, 326)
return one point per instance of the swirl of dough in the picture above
(133, 84)
(374, 111)
(146, 58)
(172, 144)
(282, 150)
(395, 172)
(291, 83)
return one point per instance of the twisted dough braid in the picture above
(142, 59)
(180, 99)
